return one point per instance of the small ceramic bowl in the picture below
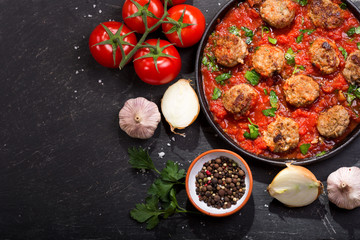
(197, 165)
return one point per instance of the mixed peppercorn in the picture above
(220, 183)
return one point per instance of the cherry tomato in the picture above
(174, 2)
(162, 55)
(154, 8)
(102, 43)
(189, 28)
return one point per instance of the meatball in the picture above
(333, 122)
(230, 50)
(268, 60)
(326, 14)
(278, 13)
(324, 55)
(239, 99)
(282, 135)
(301, 90)
(351, 71)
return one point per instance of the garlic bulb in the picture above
(343, 187)
(295, 186)
(139, 118)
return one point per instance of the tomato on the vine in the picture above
(105, 41)
(187, 27)
(174, 2)
(158, 63)
(132, 13)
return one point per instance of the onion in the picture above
(295, 186)
(180, 105)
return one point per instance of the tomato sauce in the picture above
(332, 86)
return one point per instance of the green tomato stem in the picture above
(126, 58)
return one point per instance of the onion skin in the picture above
(295, 186)
(343, 187)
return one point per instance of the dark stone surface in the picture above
(63, 159)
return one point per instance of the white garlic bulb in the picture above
(343, 187)
(139, 118)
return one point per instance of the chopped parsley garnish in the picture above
(298, 68)
(269, 112)
(343, 51)
(352, 93)
(265, 91)
(301, 36)
(249, 34)
(273, 103)
(352, 31)
(253, 77)
(220, 79)
(273, 99)
(308, 31)
(290, 57)
(272, 40)
(304, 148)
(302, 2)
(210, 62)
(321, 154)
(253, 131)
(343, 6)
(358, 45)
(264, 29)
(216, 94)
(234, 30)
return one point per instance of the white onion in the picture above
(295, 186)
(180, 105)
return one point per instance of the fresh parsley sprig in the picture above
(161, 202)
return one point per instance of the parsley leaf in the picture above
(358, 45)
(264, 29)
(273, 99)
(254, 131)
(140, 159)
(161, 189)
(210, 62)
(272, 40)
(320, 154)
(253, 77)
(308, 31)
(269, 112)
(172, 173)
(302, 2)
(298, 68)
(290, 57)
(234, 30)
(249, 34)
(304, 148)
(343, 51)
(216, 94)
(161, 201)
(299, 38)
(265, 91)
(343, 6)
(148, 212)
(220, 79)
(352, 31)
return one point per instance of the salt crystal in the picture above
(161, 154)
(78, 57)
(76, 72)
(100, 11)
(168, 144)
(76, 47)
(76, 8)
(94, 5)
(173, 139)
(219, 4)
(89, 15)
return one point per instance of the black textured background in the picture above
(63, 159)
